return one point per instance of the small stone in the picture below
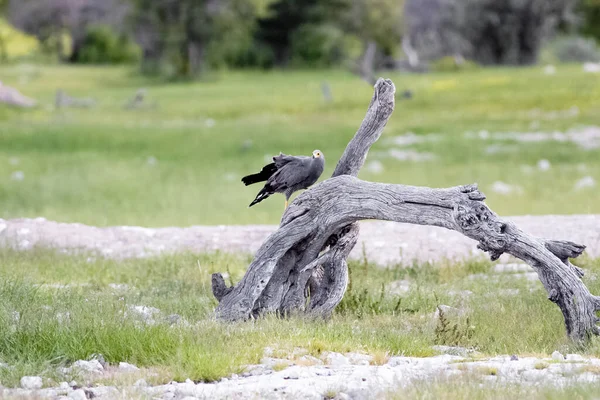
(359, 359)
(557, 356)
(374, 167)
(105, 392)
(505, 188)
(88, 366)
(173, 319)
(452, 350)
(448, 311)
(575, 358)
(73, 384)
(544, 165)
(64, 386)
(585, 183)
(591, 67)
(31, 382)
(336, 359)
(342, 396)
(123, 366)
(399, 287)
(291, 374)
(17, 176)
(78, 394)
(514, 357)
(140, 383)
(549, 70)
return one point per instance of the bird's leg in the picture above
(286, 204)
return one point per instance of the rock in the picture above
(104, 392)
(64, 386)
(549, 70)
(591, 67)
(123, 366)
(271, 362)
(13, 97)
(88, 366)
(78, 394)
(399, 287)
(17, 176)
(575, 358)
(359, 359)
(505, 188)
(335, 359)
(342, 396)
(411, 155)
(544, 165)
(173, 319)
(557, 356)
(585, 183)
(448, 311)
(291, 374)
(144, 313)
(514, 357)
(308, 360)
(31, 382)
(374, 167)
(140, 383)
(453, 350)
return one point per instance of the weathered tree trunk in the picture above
(301, 268)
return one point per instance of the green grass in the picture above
(91, 165)
(56, 326)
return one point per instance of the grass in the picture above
(44, 326)
(180, 164)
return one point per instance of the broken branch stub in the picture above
(301, 268)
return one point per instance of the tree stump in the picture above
(301, 268)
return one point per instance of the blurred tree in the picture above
(53, 20)
(487, 31)
(378, 24)
(176, 35)
(590, 10)
(285, 18)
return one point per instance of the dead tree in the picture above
(301, 268)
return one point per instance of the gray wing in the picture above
(294, 172)
(283, 159)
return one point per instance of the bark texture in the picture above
(301, 268)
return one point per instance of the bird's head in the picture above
(317, 154)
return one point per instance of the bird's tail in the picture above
(263, 194)
(261, 176)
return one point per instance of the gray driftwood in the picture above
(301, 268)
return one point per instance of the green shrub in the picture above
(103, 46)
(317, 45)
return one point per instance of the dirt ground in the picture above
(382, 242)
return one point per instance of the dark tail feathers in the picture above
(263, 194)
(262, 176)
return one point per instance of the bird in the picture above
(287, 174)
